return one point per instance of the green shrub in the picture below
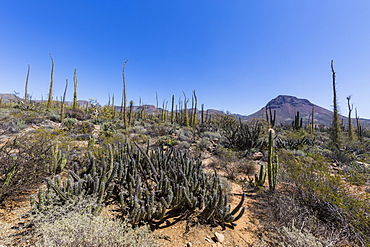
(324, 193)
(70, 122)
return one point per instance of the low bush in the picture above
(73, 224)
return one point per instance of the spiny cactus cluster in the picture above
(293, 144)
(146, 184)
(243, 136)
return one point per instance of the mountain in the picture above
(287, 106)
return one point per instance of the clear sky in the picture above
(236, 54)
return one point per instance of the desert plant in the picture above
(25, 162)
(350, 108)
(335, 125)
(272, 162)
(70, 122)
(50, 96)
(75, 81)
(270, 119)
(124, 101)
(62, 111)
(145, 184)
(72, 224)
(26, 85)
(297, 123)
(242, 136)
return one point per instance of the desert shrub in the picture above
(325, 195)
(183, 145)
(211, 135)
(139, 129)
(107, 129)
(25, 161)
(168, 141)
(158, 129)
(77, 114)
(232, 164)
(74, 225)
(18, 125)
(185, 134)
(70, 122)
(139, 138)
(203, 144)
(84, 127)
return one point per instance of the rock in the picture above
(217, 244)
(208, 239)
(189, 244)
(219, 237)
(166, 237)
(257, 156)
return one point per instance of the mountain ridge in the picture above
(287, 106)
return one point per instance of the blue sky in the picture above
(236, 54)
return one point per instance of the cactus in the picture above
(146, 185)
(272, 166)
(26, 86)
(270, 119)
(297, 123)
(50, 97)
(62, 111)
(172, 109)
(75, 104)
(262, 176)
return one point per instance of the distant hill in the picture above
(286, 107)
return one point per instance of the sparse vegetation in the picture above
(147, 165)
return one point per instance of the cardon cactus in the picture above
(272, 166)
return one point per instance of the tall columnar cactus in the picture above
(130, 114)
(297, 123)
(359, 127)
(271, 119)
(272, 166)
(313, 120)
(173, 109)
(194, 110)
(75, 81)
(350, 108)
(124, 101)
(335, 125)
(26, 86)
(62, 111)
(186, 113)
(50, 96)
(164, 111)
